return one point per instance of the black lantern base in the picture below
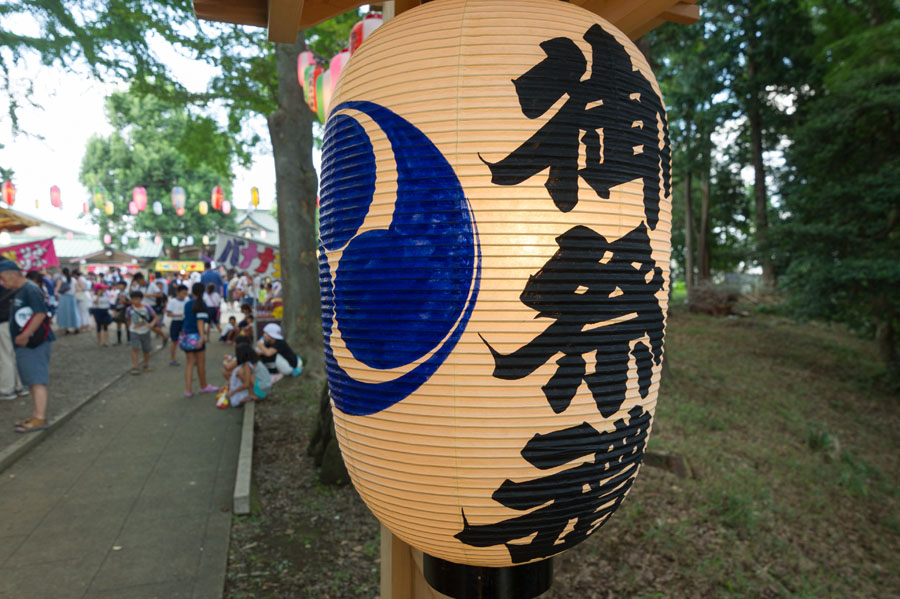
(476, 582)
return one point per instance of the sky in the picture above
(54, 136)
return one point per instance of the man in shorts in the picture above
(32, 336)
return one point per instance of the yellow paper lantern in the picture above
(254, 196)
(109, 208)
(494, 261)
(203, 207)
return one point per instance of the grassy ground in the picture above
(792, 442)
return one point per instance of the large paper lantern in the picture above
(203, 207)
(178, 197)
(55, 197)
(362, 30)
(218, 196)
(139, 197)
(9, 193)
(494, 261)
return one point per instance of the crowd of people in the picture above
(180, 309)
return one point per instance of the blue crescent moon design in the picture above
(400, 293)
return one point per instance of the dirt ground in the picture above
(789, 429)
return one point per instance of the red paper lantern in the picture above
(363, 30)
(336, 66)
(218, 196)
(9, 193)
(55, 199)
(139, 196)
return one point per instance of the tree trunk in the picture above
(703, 269)
(688, 238)
(290, 128)
(759, 186)
(886, 338)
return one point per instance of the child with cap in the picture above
(276, 354)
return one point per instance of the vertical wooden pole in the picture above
(401, 571)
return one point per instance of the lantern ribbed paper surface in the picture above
(494, 258)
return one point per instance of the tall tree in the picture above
(158, 146)
(841, 239)
(767, 43)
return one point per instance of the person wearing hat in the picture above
(31, 334)
(276, 354)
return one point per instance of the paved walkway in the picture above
(129, 499)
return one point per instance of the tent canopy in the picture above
(12, 222)
(284, 18)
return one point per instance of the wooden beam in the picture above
(284, 20)
(241, 12)
(683, 13)
(401, 6)
(315, 12)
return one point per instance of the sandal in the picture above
(209, 389)
(30, 425)
(147, 369)
(135, 371)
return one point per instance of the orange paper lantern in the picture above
(218, 196)
(494, 261)
(9, 193)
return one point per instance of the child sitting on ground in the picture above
(229, 331)
(238, 372)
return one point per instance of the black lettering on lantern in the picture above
(588, 493)
(601, 295)
(616, 108)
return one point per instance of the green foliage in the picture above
(158, 146)
(841, 238)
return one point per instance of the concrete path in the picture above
(128, 499)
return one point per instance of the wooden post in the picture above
(401, 571)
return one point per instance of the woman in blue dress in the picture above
(68, 317)
(194, 328)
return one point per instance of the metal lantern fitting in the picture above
(9, 193)
(218, 196)
(203, 207)
(494, 260)
(55, 197)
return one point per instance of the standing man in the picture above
(9, 375)
(211, 276)
(31, 336)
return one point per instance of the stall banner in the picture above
(33, 255)
(248, 255)
(179, 265)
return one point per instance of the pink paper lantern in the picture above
(85, 208)
(336, 67)
(107, 239)
(132, 207)
(55, 199)
(139, 196)
(179, 211)
(69, 236)
(226, 207)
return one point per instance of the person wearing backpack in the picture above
(32, 335)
